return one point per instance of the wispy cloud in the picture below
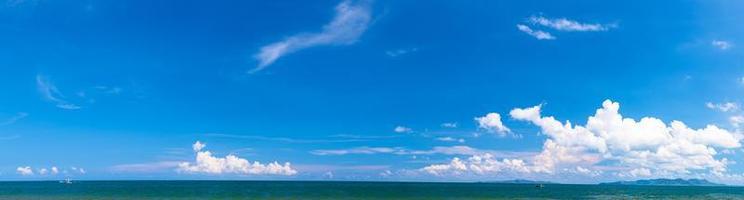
(350, 22)
(11, 137)
(449, 125)
(287, 140)
(444, 150)
(563, 24)
(402, 129)
(359, 150)
(559, 24)
(50, 93)
(540, 35)
(146, 167)
(326, 168)
(451, 139)
(14, 119)
(400, 52)
(721, 44)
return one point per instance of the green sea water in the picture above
(348, 190)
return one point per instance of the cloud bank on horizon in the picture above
(638, 148)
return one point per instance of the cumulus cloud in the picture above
(25, 171)
(540, 35)
(402, 129)
(231, 164)
(198, 146)
(563, 24)
(28, 171)
(492, 123)
(350, 22)
(478, 164)
(723, 107)
(721, 44)
(645, 144)
(50, 93)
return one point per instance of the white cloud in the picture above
(78, 170)
(492, 123)
(563, 24)
(478, 164)
(28, 171)
(449, 125)
(231, 164)
(624, 143)
(198, 146)
(540, 35)
(358, 150)
(25, 171)
(721, 44)
(350, 22)
(14, 119)
(723, 107)
(736, 120)
(50, 93)
(400, 52)
(402, 129)
(451, 139)
(445, 150)
(146, 167)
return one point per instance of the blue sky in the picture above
(371, 90)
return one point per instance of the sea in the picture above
(349, 190)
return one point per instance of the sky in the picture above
(570, 91)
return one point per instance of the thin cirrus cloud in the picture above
(402, 129)
(206, 163)
(563, 24)
(350, 22)
(50, 93)
(630, 147)
(443, 150)
(540, 35)
(559, 24)
(14, 119)
(721, 44)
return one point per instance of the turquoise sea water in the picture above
(348, 190)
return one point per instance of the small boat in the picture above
(66, 181)
(539, 186)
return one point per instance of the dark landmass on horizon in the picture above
(520, 181)
(666, 182)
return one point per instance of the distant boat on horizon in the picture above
(66, 181)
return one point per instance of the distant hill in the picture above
(521, 181)
(666, 182)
